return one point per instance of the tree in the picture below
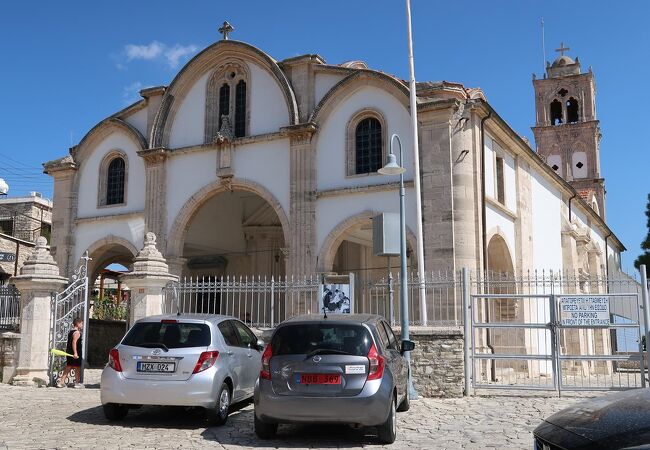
(644, 258)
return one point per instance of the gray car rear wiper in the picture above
(326, 351)
(153, 345)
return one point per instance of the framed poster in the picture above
(337, 295)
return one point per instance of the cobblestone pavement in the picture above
(73, 418)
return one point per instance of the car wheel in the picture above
(115, 411)
(264, 430)
(388, 430)
(219, 414)
(406, 402)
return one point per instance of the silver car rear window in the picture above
(171, 335)
(300, 339)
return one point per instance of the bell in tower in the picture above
(567, 133)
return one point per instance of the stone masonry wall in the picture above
(437, 362)
(8, 245)
(9, 343)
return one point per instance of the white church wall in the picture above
(89, 178)
(193, 171)
(323, 83)
(331, 211)
(510, 182)
(266, 163)
(139, 121)
(331, 146)
(186, 174)
(130, 229)
(268, 109)
(506, 227)
(189, 121)
(490, 187)
(546, 224)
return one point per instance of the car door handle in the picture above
(250, 355)
(229, 353)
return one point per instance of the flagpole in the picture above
(416, 175)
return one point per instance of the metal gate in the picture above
(9, 308)
(521, 342)
(66, 306)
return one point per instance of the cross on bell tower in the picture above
(226, 29)
(562, 49)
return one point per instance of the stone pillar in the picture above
(39, 278)
(63, 171)
(437, 190)
(149, 276)
(302, 201)
(155, 208)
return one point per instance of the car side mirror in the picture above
(407, 346)
(260, 345)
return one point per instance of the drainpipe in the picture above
(488, 341)
(607, 263)
(574, 196)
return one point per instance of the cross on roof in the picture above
(225, 29)
(562, 49)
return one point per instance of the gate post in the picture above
(467, 323)
(149, 276)
(646, 316)
(38, 278)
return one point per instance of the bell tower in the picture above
(567, 133)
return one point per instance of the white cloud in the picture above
(131, 93)
(157, 51)
(178, 52)
(147, 52)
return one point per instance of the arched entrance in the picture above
(109, 298)
(233, 233)
(348, 249)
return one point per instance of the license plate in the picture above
(320, 378)
(156, 367)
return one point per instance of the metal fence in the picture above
(267, 301)
(518, 340)
(9, 308)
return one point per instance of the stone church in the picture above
(246, 165)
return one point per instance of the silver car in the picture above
(208, 361)
(345, 368)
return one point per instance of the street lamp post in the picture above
(392, 168)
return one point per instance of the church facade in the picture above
(245, 165)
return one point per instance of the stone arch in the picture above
(336, 236)
(97, 250)
(103, 129)
(499, 253)
(197, 67)
(176, 239)
(351, 83)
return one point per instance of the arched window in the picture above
(115, 182)
(556, 112)
(368, 145)
(115, 176)
(224, 102)
(240, 109)
(572, 115)
(227, 95)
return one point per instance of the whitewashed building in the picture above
(244, 165)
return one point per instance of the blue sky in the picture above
(66, 65)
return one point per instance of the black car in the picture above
(614, 422)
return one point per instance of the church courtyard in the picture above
(73, 418)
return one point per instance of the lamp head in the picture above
(391, 167)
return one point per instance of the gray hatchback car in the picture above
(202, 360)
(345, 368)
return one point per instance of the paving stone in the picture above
(73, 418)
